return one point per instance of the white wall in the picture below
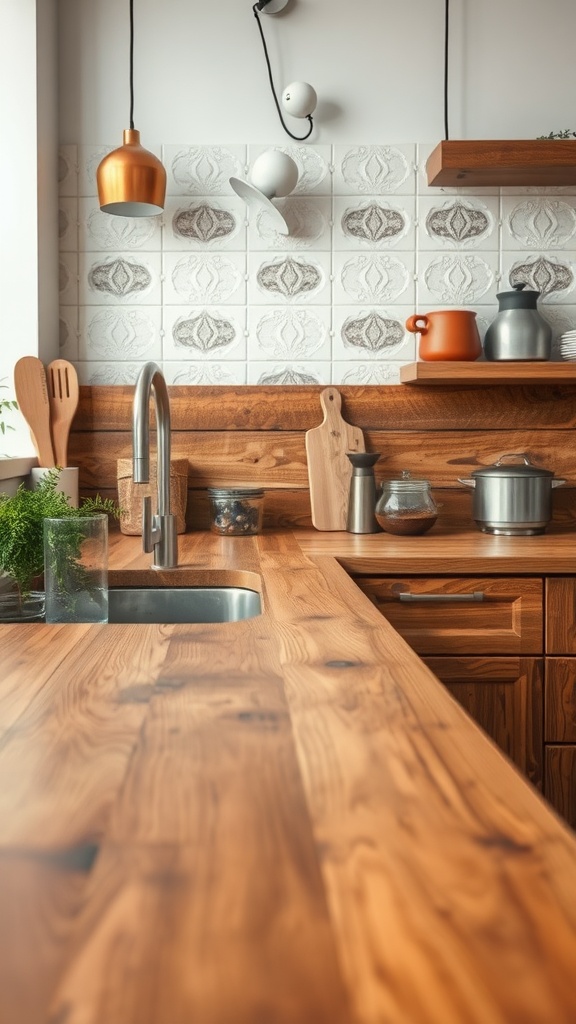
(377, 66)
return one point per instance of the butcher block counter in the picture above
(285, 820)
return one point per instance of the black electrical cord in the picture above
(132, 64)
(446, 38)
(299, 138)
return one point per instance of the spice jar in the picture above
(236, 511)
(406, 506)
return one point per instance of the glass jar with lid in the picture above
(406, 506)
(236, 511)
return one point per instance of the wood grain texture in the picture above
(32, 395)
(509, 619)
(329, 469)
(302, 826)
(504, 696)
(561, 616)
(493, 373)
(490, 162)
(560, 780)
(560, 701)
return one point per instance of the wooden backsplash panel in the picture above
(255, 435)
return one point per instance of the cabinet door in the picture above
(561, 616)
(504, 696)
(462, 615)
(560, 780)
(560, 701)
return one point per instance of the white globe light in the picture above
(299, 99)
(274, 173)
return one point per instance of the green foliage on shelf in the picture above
(564, 134)
(6, 406)
(22, 527)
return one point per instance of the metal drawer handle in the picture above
(477, 595)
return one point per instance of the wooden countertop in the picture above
(286, 820)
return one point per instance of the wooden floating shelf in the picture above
(489, 162)
(474, 373)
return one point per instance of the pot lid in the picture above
(519, 298)
(522, 469)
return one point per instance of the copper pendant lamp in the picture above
(131, 180)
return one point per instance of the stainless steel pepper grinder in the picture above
(362, 499)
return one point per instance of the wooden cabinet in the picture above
(504, 695)
(462, 615)
(483, 638)
(560, 697)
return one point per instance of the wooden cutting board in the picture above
(329, 470)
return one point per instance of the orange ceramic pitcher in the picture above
(447, 334)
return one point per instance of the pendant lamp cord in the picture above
(131, 64)
(446, 40)
(299, 138)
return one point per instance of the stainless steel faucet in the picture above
(158, 531)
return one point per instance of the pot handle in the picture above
(558, 482)
(515, 455)
(467, 483)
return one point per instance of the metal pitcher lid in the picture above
(524, 469)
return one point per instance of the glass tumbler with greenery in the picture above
(22, 543)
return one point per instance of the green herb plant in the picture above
(564, 134)
(22, 532)
(6, 406)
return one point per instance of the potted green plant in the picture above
(22, 542)
(13, 470)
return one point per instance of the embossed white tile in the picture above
(120, 278)
(108, 373)
(90, 156)
(292, 333)
(290, 278)
(375, 170)
(553, 274)
(68, 333)
(204, 278)
(211, 374)
(289, 373)
(309, 220)
(99, 232)
(68, 235)
(538, 222)
(374, 277)
(68, 170)
(424, 150)
(120, 333)
(205, 224)
(375, 222)
(538, 190)
(457, 278)
(458, 222)
(313, 163)
(68, 279)
(204, 333)
(202, 170)
(377, 372)
(372, 332)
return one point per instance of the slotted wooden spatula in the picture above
(32, 397)
(329, 470)
(63, 394)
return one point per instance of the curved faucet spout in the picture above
(158, 531)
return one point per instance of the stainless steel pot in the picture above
(512, 499)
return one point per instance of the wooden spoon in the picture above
(32, 396)
(63, 395)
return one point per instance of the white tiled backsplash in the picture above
(217, 297)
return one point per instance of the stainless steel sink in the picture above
(182, 604)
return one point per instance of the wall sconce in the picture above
(131, 180)
(274, 173)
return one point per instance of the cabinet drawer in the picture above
(560, 700)
(504, 696)
(471, 615)
(561, 616)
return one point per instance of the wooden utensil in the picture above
(32, 396)
(63, 395)
(329, 470)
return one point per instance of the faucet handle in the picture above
(150, 531)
